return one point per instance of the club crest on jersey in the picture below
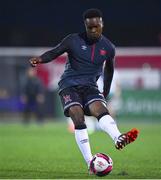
(83, 47)
(103, 52)
(67, 99)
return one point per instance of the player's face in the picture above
(94, 27)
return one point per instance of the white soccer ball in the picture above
(101, 164)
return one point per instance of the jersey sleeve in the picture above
(63, 46)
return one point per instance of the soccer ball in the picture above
(101, 164)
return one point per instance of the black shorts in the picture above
(80, 95)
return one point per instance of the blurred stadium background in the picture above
(29, 28)
(139, 70)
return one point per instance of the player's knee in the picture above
(77, 115)
(101, 112)
(97, 108)
(79, 122)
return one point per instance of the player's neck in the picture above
(92, 40)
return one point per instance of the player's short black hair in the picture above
(91, 13)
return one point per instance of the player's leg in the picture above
(81, 135)
(106, 122)
(73, 108)
(108, 125)
(95, 106)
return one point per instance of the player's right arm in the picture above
(52, 54)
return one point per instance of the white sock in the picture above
(82, 140)
(108, 125)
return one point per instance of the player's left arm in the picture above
(108, 73)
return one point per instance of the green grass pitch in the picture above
(50, 152)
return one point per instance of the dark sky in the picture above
(46, 22)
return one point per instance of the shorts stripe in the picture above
(96, 99)
(71, 104)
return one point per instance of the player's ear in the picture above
(102, 24)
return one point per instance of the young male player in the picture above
(77, 87)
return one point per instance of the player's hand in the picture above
(35, 61)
